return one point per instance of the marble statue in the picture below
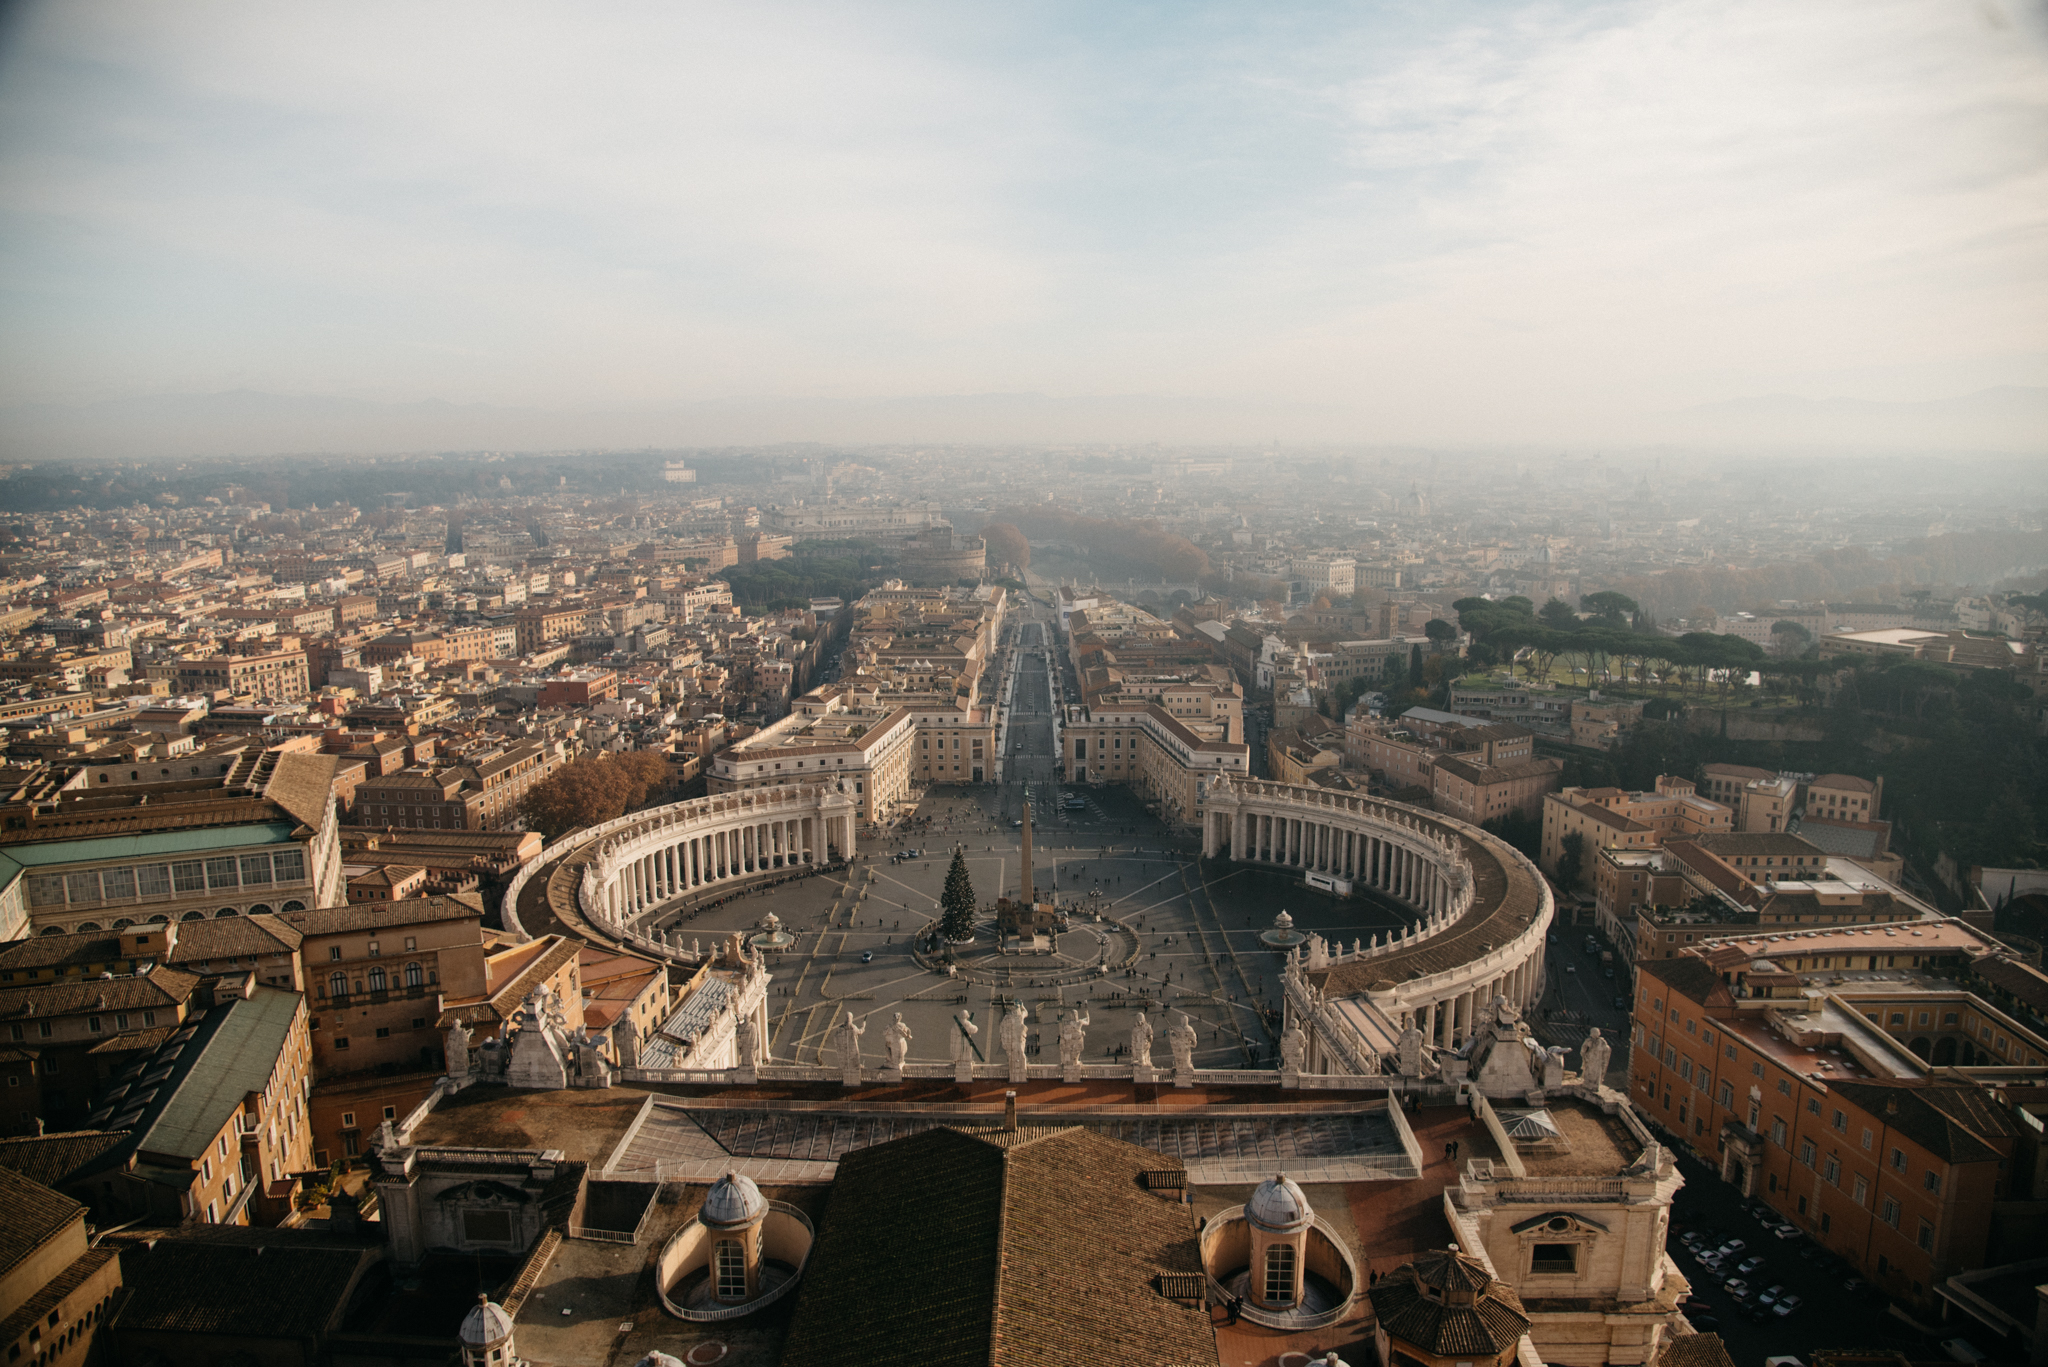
(847, 1037)
(1141, 1040)
(1180, 1037)
(896, 1039)
(457, 1047)
(387, 1136)
(1293, 1050)
(1553, 1067)
(1014, 1028)
(964, 1031)
(745, 1047)
(1073, 1038)
(1408, 1049)
(1593, 1056)
(1504, 1012)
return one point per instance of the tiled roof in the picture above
(1410, 1306)
(235, 1059)
(407, 911)
(1928, 1117)
(51, 1158)
(35, 1215)
(1687, 974)
(52, 1293)
(1046, 1252)
(1726, 843)
(1695, 1350)
(234, 937)
(262, 1291)
(161, 986)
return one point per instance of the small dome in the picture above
(733, 1200)
(485, 1324)
(1278, 1206)
(659, 1359)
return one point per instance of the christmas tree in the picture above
(956, 903)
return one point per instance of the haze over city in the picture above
(236, 228)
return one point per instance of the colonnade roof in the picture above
(1507, 894)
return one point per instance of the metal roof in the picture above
(14, 858)
(237, 1059)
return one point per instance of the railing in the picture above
(760, 1302)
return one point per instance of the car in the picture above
(1621, 1003)
(1711, 1261)
(1769, 1295)
(868, 957)
(1691, 1237)
(1607, 972)
(1734, 1246)
(1786, 1230)
(1750, 1264)
(1706, 1324)
(1571, 968)
(1737, 1288)
(1760, 1314)
(1786, 1304)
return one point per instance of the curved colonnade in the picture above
(1484, 914)
(631, 865)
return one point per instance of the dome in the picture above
(659, 1359)
(485, 1324)
(733, 1200)
(1278, 1206)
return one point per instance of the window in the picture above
(1927, 1236)
(1898, 1160)
(1554, 1259)
(1833, 1170)
(1784, 1086)
(1727, 1094)
(1933, 1181)
(1860, 1191)
(1841, 1122)
(1731, 1053)
(1778, 1133)
(413, 976)
(348, 1120)
(334, 951)
(732, 1270)
(1889, 1212)
(341, 1042)
(1280, 1274)
(1867, 1138)
(1806, 1152)
(337, 984)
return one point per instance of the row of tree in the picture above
(1615, 643)
(593, 790)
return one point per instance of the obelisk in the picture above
(1024, 895)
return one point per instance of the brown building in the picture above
(278, 675)
(55, 1288)
(377, 973)
(1804, 1067)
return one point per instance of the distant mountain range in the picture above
(2008, 420)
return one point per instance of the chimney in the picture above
(1010, 1111)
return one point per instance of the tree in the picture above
(1609, 609)
(1006, 546)
(587, 792)
(1558, 615)
(1571, 862)
(1440, 633)
(1415, 666)
(956, 902)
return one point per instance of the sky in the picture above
(1434, 222)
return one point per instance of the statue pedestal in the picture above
(850, 1077)
(963, 1070)
(1183, 1077)
(1142, 1073)
(745, 1075)
(892, 1074)
(1070, 1072)
(1017, 1070)
(1290, 1078)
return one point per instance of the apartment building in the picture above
(1615, 818)
(481, 794)
(376, 971)
(1844, 1075)
(271, 676)
(1145, 747)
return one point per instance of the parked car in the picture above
(1621, 1003)
(1706, 1324)
(868, 957)
(1737, 1288)
(1734, 1246)
(1750, 1264)
(1769, 1295)
(1571, 968)
(1785, 1229)
(1786, 1304)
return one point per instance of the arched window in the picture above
(225, 911)
(376, 980)
(193, 916)
(1280, 1274)
(123, 923)
(260, 909)
(732, 1270)
(337, 984)
(294, 906)
(84, 926)
(413, 976)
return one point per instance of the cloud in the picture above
(1405, 221)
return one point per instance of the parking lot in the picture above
(1829, 1315)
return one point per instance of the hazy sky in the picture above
(1408, 220)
